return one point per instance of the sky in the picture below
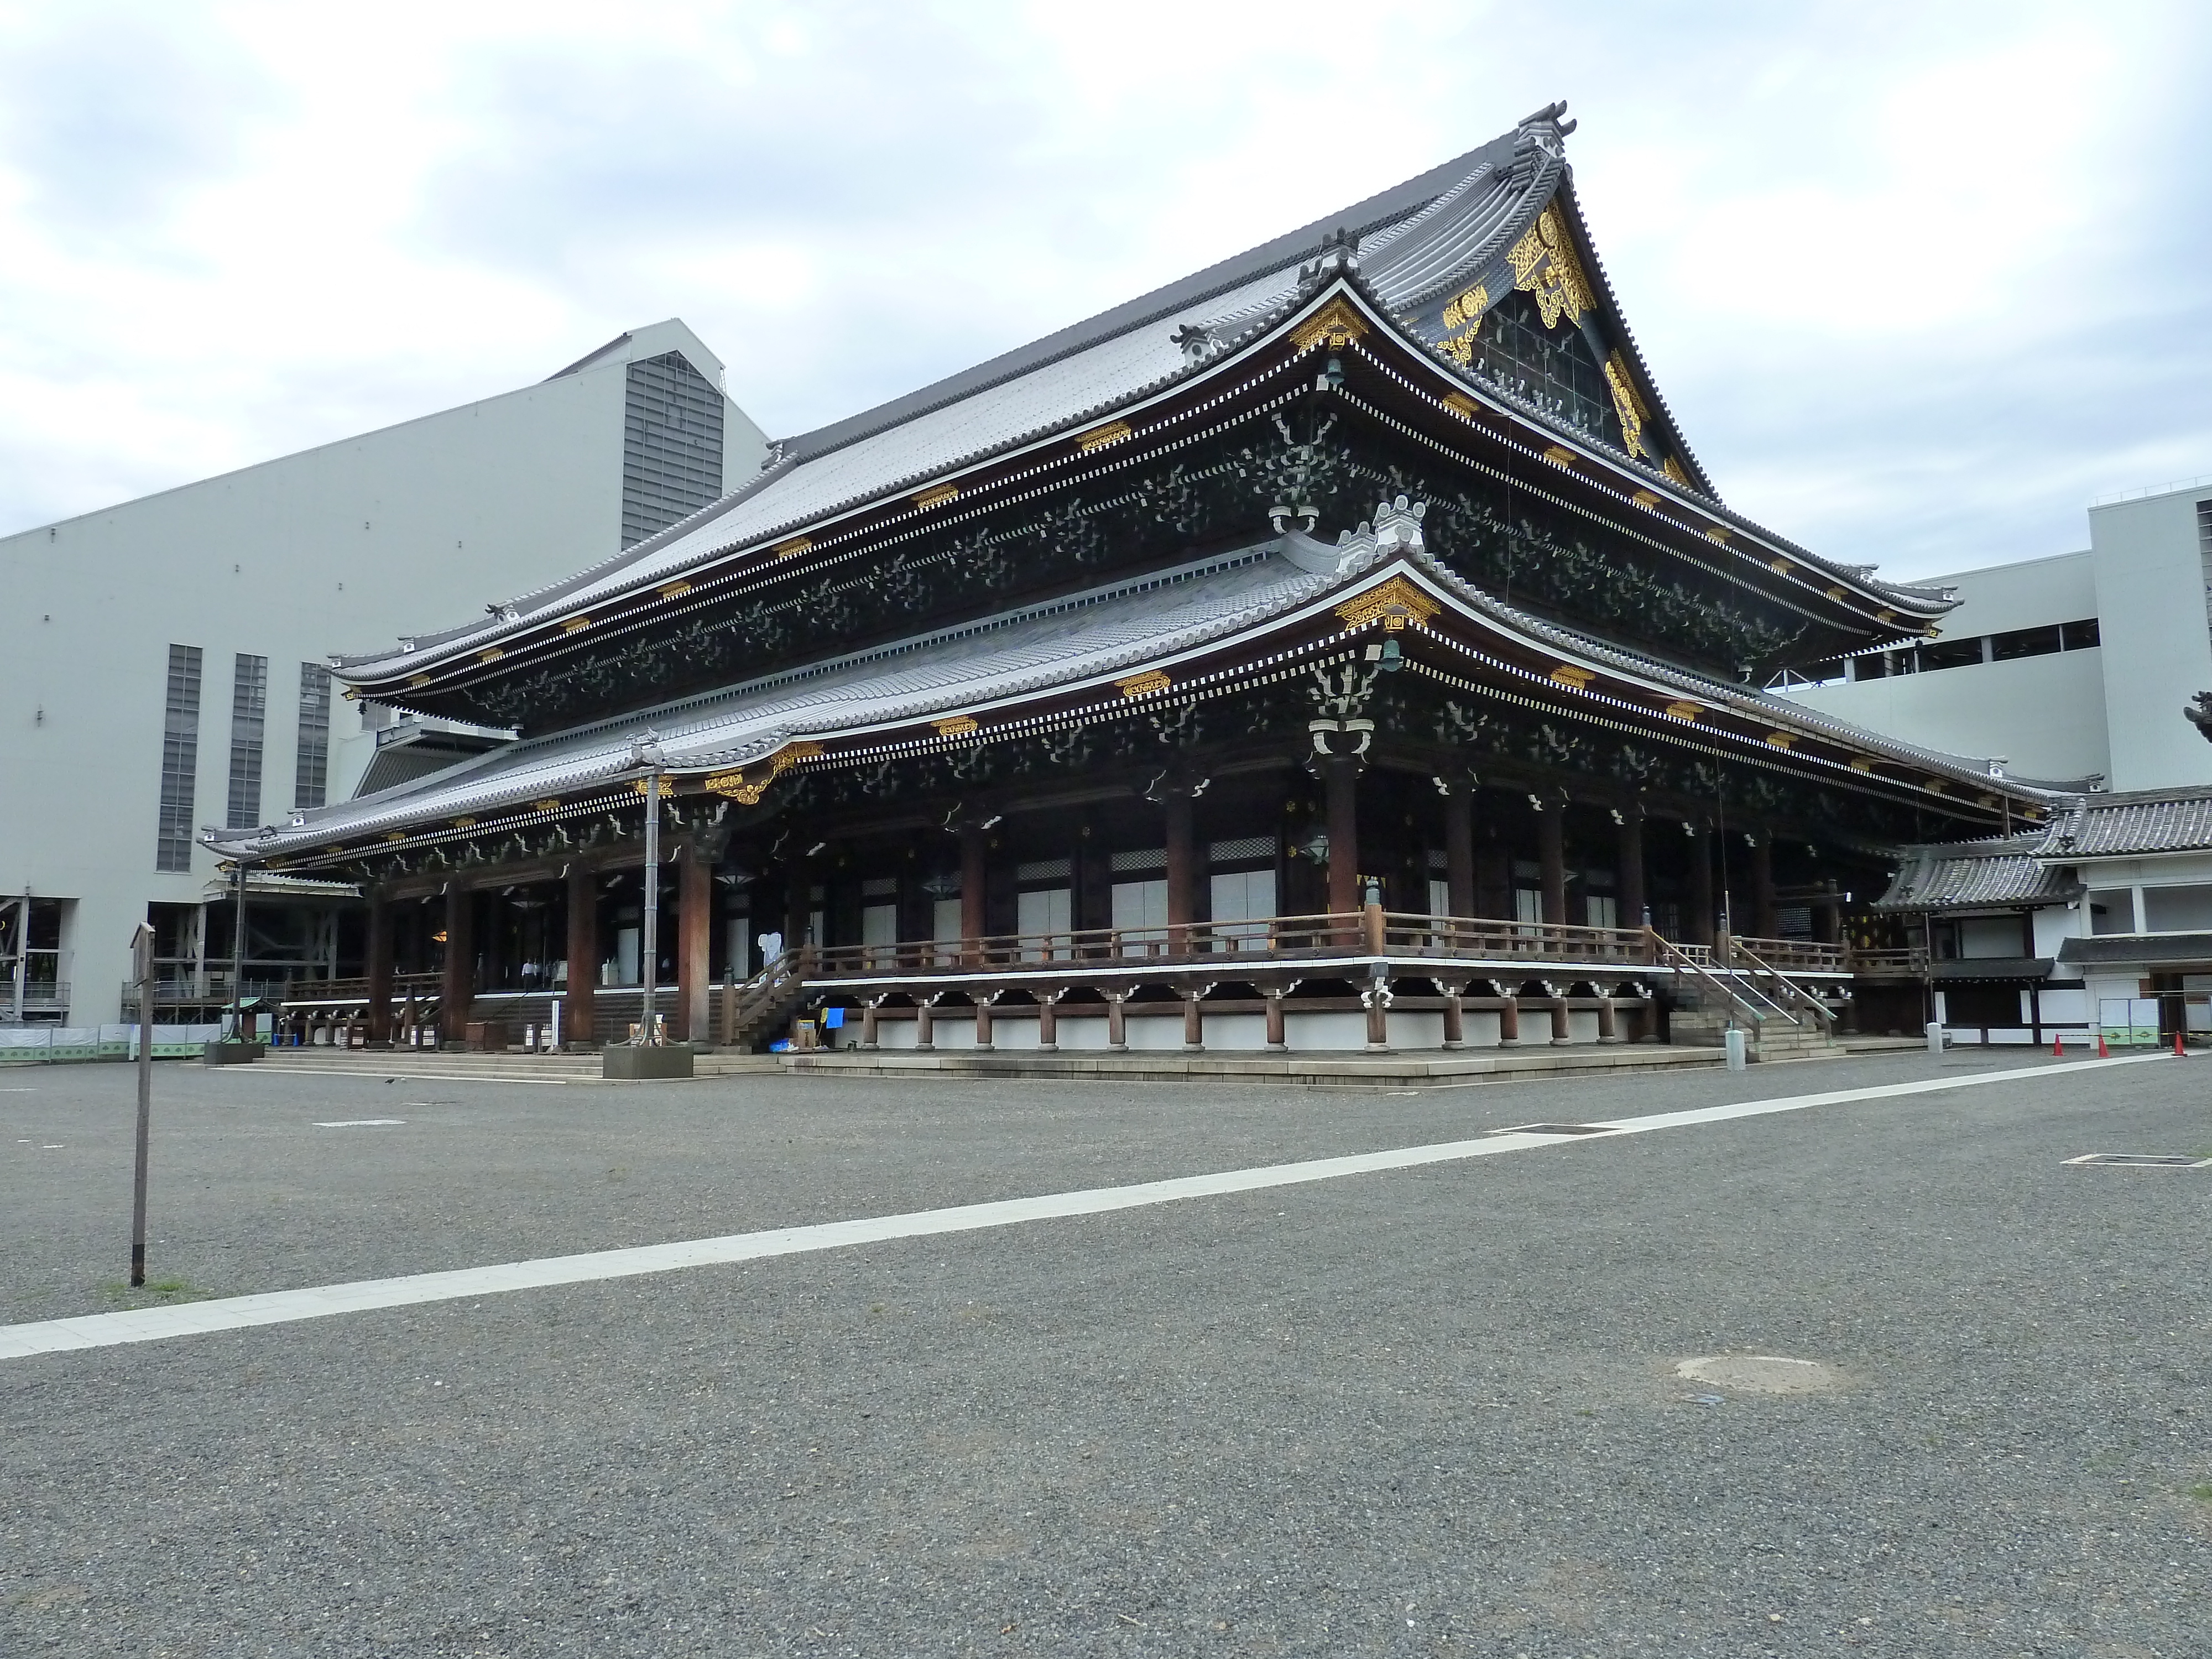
(1919, 281)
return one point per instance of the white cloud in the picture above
(1917, 280)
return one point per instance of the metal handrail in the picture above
(1769, 980)
(1672, 957)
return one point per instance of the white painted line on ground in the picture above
(410, 1076)
(363, 1123)
(283, 1307)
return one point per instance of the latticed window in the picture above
(1553, 368)
(180, 742)
(249, 720)
(672, 445)
(311, 775)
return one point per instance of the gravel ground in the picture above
(1427, 1412)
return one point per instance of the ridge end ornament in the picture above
(1392, 603)
(1336, 324)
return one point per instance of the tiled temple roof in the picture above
(1406, 245)
(1967, 875)
(2138, 820)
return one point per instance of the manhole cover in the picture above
(1760, 1373)
(1554, 1129)
(2143, 1160)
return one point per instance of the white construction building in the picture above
(162, 661)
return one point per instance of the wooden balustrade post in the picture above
(458, 982)
(1551, 857)
(579, 1016)
(380, 967)
(695, 941)
(1509, 1021)
(1372, 935)
(1459, 849)
(974, 915)
(1182, 875)
(1629, 877)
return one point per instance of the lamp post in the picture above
(142, 964)
(237, 956)
(645, 754)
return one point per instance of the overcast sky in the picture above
(1919, 281)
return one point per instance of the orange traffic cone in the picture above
(2103, 1053)
(2059, 1047)
(2177, 1052)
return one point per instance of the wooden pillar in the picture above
(1765, 923)
(1552, 855)
(1493, 883)
(975, 912)
(1828, 918)
(1509, 1021)
(1340, 777)
(1193, 1022)
(1454, 1015)
(1117, 1020)
(581, 1015)
(982, 1002)
(1276, 1040)
(1560, 1029)
(380, 967)
(1629, 878)
(1700, 926)
(1182, 873)
(694, 944)
(798, 902)
(868, 1022)
(925, 1023)
(1608, 1019)
(457, 985)
(1459, 850)
(1048, 1009)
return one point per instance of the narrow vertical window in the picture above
(311, 778)
(180, 745)
(249, 716)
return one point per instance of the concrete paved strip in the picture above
(282, 1307)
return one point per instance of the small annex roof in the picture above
(2117, 824)
(1404, 248)
(1098, 641)
(1978, 875)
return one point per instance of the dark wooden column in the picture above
(694, 945)
(1700, 920)
(580, 1015)
(1765, 923)
(1493, 884)
(798, 902)
(975, 912)
(457, 984)
(1341, 777)
(1552, 856)
(1828, 919)
(380, 967)
(1629, 878)
(1459, 849)
(1183, 858)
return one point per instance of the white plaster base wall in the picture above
(1337, 1030)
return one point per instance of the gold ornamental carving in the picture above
(1099, 436)
(795, 547)
(575, 624)
(1567, 674)
(1626, 402)
(1685, 709)
(667, 787)
(1543, 265)
(1336, 324)
(1672, 469)
(735, 786)
(491, 655)
(675, 589)
(1144, 684)
(1467, 307)
(1560, 455)
(550, 804)
(1393, 604)
(957, 726)
(937, 496)
(1461, 404)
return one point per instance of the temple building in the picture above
(1341, 647)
